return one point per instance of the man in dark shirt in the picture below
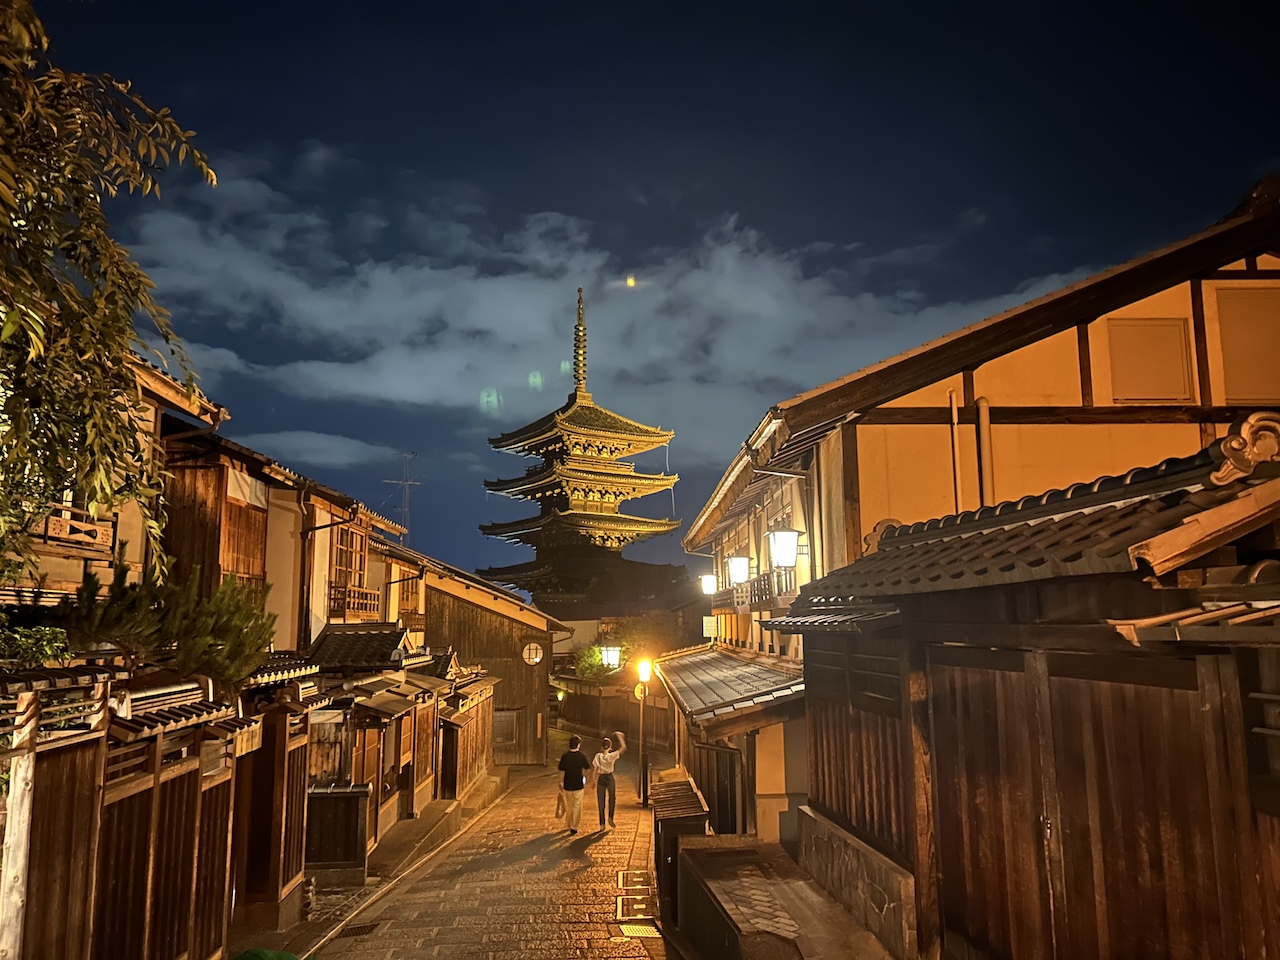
(575, 766)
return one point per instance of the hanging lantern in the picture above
(783, 546)
(709, 583)
(739, 570)
(611, 657)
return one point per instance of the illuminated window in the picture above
(350, 557)
(532, 654)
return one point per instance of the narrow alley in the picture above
(516, 884)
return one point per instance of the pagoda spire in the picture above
(580, 349)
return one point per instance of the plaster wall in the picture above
(322, 542)
(782, 770)
(1045, 373)
(284, 565)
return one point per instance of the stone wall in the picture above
(879, 893)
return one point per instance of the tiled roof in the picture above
(52, 678)
(1249, 623)
(280, 666)
(713, 682)
(580, 414)
(169, 719)
(358, 645)
(386, 706)
(871, 619)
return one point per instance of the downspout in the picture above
(955, 449)
(986, 468)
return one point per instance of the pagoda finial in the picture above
(580, 349)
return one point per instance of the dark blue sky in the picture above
(411, 194)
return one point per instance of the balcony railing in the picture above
(734, 598)
(776, 588)
(354, 603)
(73, 532)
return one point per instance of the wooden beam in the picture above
(851, 499)
(966, 378)
(1133, 413)
(1201, 341)
(153, 832)
(1064, 637)
(17, 832)
(1086, 364)
(1247, 274)
(1044, 760)
(917, 763)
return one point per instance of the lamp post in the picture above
(645, 669)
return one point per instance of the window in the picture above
(1248, 320)
(532, 654)
(504, 726)
(409, 591)
(1150, 360)
(349, 557)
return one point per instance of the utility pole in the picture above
(406, 487)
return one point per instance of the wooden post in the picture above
(917, 762)
(17, 833)
(1044, 760)
(157, 754)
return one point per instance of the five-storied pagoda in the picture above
(578, 533)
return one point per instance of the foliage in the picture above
(70, 409)
(27, 648)
(127, 618)
(648, 635)
(225, 638)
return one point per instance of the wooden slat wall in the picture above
(194, 494)
(424, 752)
(324, 752)
(496, 642)
(856, 778)
(119, 915)
(64, 819)
(989, 849)
(334, 838)
(717, 771)
(174, 853)
(295, 815)
(244, 540)
(209, 923)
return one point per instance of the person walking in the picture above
(574, 765)
(602, 763)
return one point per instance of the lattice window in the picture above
(350, 557)
(504, 726)
(410, 596)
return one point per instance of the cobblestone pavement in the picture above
(516, 885)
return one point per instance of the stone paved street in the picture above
(515, 884)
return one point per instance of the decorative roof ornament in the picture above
(1255, 440)
(580, 349)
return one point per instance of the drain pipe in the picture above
(986, 468)
(955, 449)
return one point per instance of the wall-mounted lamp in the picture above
(739, 570)
(784, 544)
(611, 657)
(709, 583)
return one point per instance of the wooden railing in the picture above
(73, 532)
(733, 598)
(776, 588)
(414, 622)
(354, 603)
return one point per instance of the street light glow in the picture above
(645, 667)
(631, 281)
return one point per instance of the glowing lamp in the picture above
(709, 583)
(645, 669)
(611, 657)
(739, 570)
(631, 281)
(783, 545)
(560, 695)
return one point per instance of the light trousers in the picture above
(572, 808)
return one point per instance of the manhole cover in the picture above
(635, 908)
(639, 929)
(359, 930)
(629, 879)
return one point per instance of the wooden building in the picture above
(1048, 728)
(739, 733)
(486, 626)
(578, 572)
(1151, 359)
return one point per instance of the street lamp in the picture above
(709, 583)
(645, 669)
(783, 546)
(739, 570)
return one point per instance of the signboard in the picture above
(709, 627)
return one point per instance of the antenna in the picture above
(406, 488)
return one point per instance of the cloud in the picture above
(317, 449)
(438, 308)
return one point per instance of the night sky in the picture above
(411, 194)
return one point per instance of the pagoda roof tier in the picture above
(583, 429)
(579, 478)
(611, 530)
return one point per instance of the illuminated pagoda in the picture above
(579, 484)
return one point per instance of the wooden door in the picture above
(1080, 809)
(718, 773)
(448, 762)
